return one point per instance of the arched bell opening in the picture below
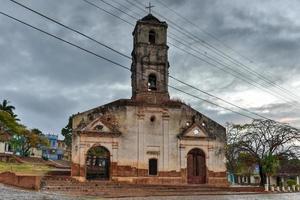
(98, 163)
(151, 37)
(152, 82)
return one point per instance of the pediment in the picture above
(100, 128)
(194, 131)
(97, 125)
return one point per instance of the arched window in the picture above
(152, 37)
(152, 82)
(97, 163)
(153, 166)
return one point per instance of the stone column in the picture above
(114, 159)
(115, 151)
(75, 168)
(82, 170)
(140, 141)
(183, 161)
(182, 156)
(166, 145)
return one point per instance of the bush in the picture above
(45, 158)
(291, 182)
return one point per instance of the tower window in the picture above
(152, 37)
(152, 82)
(153, 166)
(152, 118)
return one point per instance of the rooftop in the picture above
(150, 18)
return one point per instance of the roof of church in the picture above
(150, 18)
(212, 128)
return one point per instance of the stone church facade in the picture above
(148, 139)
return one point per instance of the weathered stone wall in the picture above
(150, 59)
(142, 138)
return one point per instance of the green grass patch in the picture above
(25, 168)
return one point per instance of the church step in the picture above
(112, 189)
(84, 189)
(54, 184)
(139, 193)
(125, 187)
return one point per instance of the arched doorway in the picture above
(196, 166)
(97, 163)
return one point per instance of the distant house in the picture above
(53, 152)
(5, 147)
(287, 171)
(290, 170)
(250, 178)
(66, 150)
(36, 152)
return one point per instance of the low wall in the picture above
(59, 172)
(23, 181)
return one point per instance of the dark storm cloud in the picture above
(48, 80)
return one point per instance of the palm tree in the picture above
(8, 108)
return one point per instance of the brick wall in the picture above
(27, 182)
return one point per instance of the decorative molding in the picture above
(153, 153)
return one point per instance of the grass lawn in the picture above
(25, 168)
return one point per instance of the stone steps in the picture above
(81, 187)
(78, 186)
(134, 192)
(112, 189)
(139, 193)
(129, 191)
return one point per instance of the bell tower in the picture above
(150, 67)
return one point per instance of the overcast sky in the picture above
(47, 80)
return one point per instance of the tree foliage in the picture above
(8, 108)
(265, 141)
(270, 164)
(245, 163)
(8, 124)
(67, 132)
(27, 140)
(22, 139)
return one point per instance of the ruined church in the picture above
(150, 138)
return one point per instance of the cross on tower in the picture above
(149, 7)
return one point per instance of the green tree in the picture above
(37, 132)
(8, 108)
(270, 165)
(28, 139)
(67, 132)
(245, 164)
(8, 124)
(231, 153)
(22, 139)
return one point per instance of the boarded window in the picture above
(152, 166)
(152, 37)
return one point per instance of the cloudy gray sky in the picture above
(47, 80)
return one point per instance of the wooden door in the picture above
(196, 167)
